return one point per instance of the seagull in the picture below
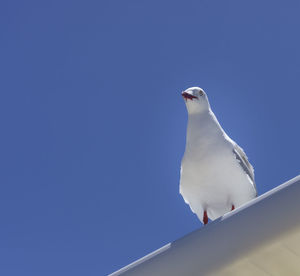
(216, 176)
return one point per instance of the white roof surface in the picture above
(260, 238)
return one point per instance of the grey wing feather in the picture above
(241, 156)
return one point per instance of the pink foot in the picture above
(232, 207)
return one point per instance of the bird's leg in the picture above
(232, 207)
(205, 217)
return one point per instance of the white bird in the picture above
(216, 176)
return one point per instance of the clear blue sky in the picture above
(93, 124)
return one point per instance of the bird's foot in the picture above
(205, 218)
(232, 207)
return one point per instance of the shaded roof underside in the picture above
(259, 238)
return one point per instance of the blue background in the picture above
(93, 123)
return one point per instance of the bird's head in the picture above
(195, 99)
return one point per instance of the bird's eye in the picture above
(201, 93)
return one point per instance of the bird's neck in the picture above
(203, 128)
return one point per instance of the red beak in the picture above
(188, 96)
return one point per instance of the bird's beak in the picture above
(188, 96)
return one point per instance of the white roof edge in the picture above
(228, 232)
(141, 260)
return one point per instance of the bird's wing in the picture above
(241, 156)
